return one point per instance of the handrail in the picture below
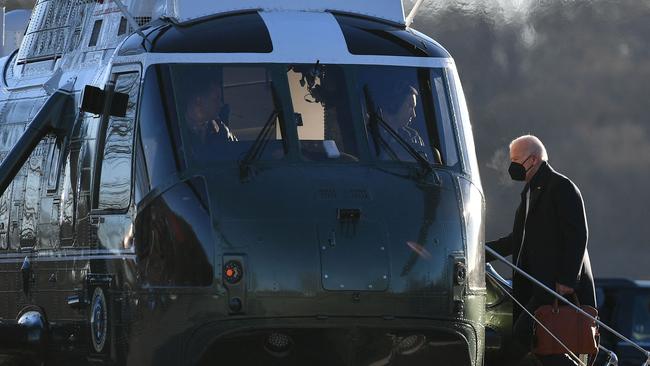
(56, 115)
(561, 298)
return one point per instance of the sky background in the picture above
(576, 73)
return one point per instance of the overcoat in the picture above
(554, 248)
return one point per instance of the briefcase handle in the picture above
(556, 307)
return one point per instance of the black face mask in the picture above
(518, 170)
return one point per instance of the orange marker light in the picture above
(232, 272)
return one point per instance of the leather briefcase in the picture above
(578, 332)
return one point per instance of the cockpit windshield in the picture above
(400, 98)
(222, 110)
(319, 112)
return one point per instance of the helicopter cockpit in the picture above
(341, 113)
(392, 105)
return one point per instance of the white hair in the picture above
(533, 145)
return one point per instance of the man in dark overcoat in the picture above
(548, 241)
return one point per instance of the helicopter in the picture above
(250, 182)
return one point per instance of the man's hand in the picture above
(563, 290)
(213, 127)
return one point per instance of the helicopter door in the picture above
(113, 207)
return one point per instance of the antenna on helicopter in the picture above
(129, 18)
(413, 13)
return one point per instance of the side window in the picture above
(33, 222)
(444, 117)
(156, 158)
(53, 163)
(5, 204)
(66, 218)
(20, 205)
(31, 198)
(113, 188)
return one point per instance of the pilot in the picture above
(548, 241)
(400, 114)
(206, 116)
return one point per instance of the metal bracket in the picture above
(97, 279)
(458, 281)
(81, 299)
(77, 302)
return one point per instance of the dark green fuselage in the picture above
(351, 233)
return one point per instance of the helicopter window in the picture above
(155, 138)
(323, 115)
(247, 33)
(443, 109)
(66, 218)
(224, 109)
(5, 204)
(369, 37)
(53, 161)
(122, 28)
(402, 100)
(114, 188)
(94, 36)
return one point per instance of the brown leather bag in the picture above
(578, 332)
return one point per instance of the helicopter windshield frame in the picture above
(323, 116)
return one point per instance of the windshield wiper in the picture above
(262, 139)
(256, 150)
(376, 120)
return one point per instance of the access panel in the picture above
(354, 255)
